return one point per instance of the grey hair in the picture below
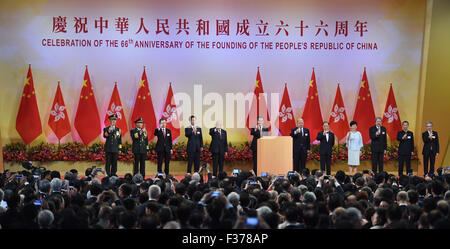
(44, 186)
(303, 189)
(196, 177)
(263, 211)
(257, 118)
(378, 118)
(154, 191)
(56, 184)
(138, 178)
(233, 198)
(309, 197)
(172, 225)
(354, 214)
(45, 218)
(402, 196)
(447, 195)
(429, 122)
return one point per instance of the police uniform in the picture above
(139, 148)
(112, 145)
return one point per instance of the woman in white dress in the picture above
(354, 143)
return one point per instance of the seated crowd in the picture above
(299, 200)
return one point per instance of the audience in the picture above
(305, 200)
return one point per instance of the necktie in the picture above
(220, 134)
(164, 132)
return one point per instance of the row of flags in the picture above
(364, 113)
(87, 118)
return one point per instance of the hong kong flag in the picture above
(338, 116)
(286, 114)
(143, 107)
(259, 105)
(115, 107)
(391, 116)
(28, 121)
(364, 112)
(87, 119)
(58, 119)
(171, 115)
(312, 116)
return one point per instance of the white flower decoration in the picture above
(115, 109)
(286, 113)
(169, 114)
(391, 114)
(338, 113)
(58, 112)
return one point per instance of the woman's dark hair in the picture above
(353, 123)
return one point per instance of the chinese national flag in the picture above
(286, 114)
(87, 119)
(28, 121)
(338, 116)
(364, 112)
(259, 106)
(58, 119)
(391, 116)
(143, 107)
(171, 115)
(115, 107)
(312, 116)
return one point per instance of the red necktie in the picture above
(164, 132)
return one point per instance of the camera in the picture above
(215, 194)
(264, 174)
(204, 165)
(251, 222)
(236, 171)
(34, 170)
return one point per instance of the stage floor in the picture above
(179, 167)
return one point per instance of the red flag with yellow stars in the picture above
(58, 119)
(143, 107)
(259, 105)
(312, 116)
(115, 107)
(87, 119)
(364, 113)
(28, 121)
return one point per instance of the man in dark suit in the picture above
(405, 148)
(301, 145)
(194, 144)
(218, 147)
(139, 147)
(326, 138)
(378, 144)
(430, 147)
(163, 145)
(257, 132)
(112, 145)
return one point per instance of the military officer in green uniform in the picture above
(112, 145)
(140, 146)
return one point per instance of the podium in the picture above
(275, 154)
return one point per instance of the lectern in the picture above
(275, 154)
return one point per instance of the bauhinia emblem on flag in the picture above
(58, 119)
(391, 116)
(338, 117)
(286, 114)
(115, 107)
(171, 115)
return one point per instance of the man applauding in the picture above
(139, 147)
(163, 146)
(194, 144)
(112, 145)
(405, 148)
(326, 138)
(218, 147)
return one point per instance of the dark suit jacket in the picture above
(164, 143)
(140, 141)
(301, 141)
(406, 146)
(430, 146)
(379, 143)
(326, 148)
(256, 135)
(113, 139)
(219, 143)
(195, 141)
